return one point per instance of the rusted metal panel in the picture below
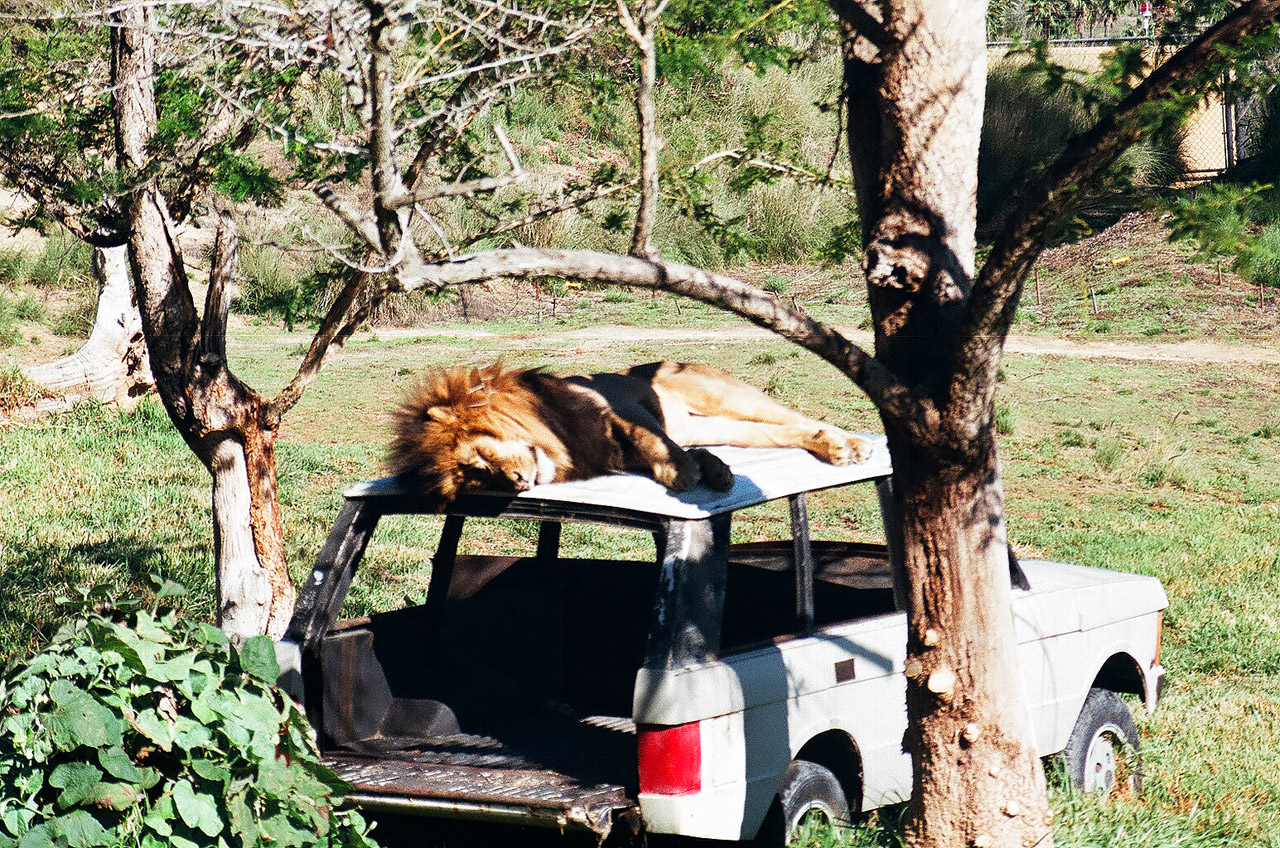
(472, 776)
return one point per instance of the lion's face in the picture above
(486, 462)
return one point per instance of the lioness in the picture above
(463, 430)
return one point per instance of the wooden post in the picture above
(1094, 295)
(1036, 272)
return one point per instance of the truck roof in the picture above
(760, 475)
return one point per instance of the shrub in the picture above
(1024, 126)
(1223, 220)
(1261, 262)
(137, 728)
(9, 331)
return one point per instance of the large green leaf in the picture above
(258, 658)
(161, 817)
(80, 720)
(260, 716)
(40, 836)
(76, 780)
(167, 671)
(116, 762)
(199, 810)
(280, 831)
(211, 771)
(77, 829)
(151, 725)
(109, 795)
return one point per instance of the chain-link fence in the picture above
(1210, 142)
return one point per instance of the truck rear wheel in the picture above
(808, 789)
(1102, 754)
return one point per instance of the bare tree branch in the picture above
(765, 310)
(640, 29)
(479, 186)
(217, 303)
(994, 300)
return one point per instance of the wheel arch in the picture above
(838, 751)
(1122, 673)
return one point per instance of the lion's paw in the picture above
(715, 473)
(680, 474)
(840, 448)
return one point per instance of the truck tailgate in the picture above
(583, 787)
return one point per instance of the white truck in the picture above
(716, 690)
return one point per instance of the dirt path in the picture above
(1188, 351)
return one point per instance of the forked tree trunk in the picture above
(112, 365)
(915, 99)
(255, 592)
(228, 426)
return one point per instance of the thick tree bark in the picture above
(228, 426)
(112, 366)
(977, 774)
(978, 778)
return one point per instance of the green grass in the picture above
(63, 262)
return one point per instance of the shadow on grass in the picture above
(40, 583)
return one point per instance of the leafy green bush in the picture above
(1222, 221)
(138, 728)
(1261, 263)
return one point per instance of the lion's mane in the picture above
(454, 405)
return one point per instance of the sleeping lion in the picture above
(465, 430)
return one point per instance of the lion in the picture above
(464, 430)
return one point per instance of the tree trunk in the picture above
(978, 779)
(112, 366)
(914, 84)
(228, 426)
(255, 592)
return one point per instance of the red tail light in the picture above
(670, 759)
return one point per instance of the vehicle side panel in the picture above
(847, 678)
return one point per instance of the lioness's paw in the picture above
(715, 473)
(839, 448)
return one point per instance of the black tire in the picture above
(807, 789)
(1103, 754)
